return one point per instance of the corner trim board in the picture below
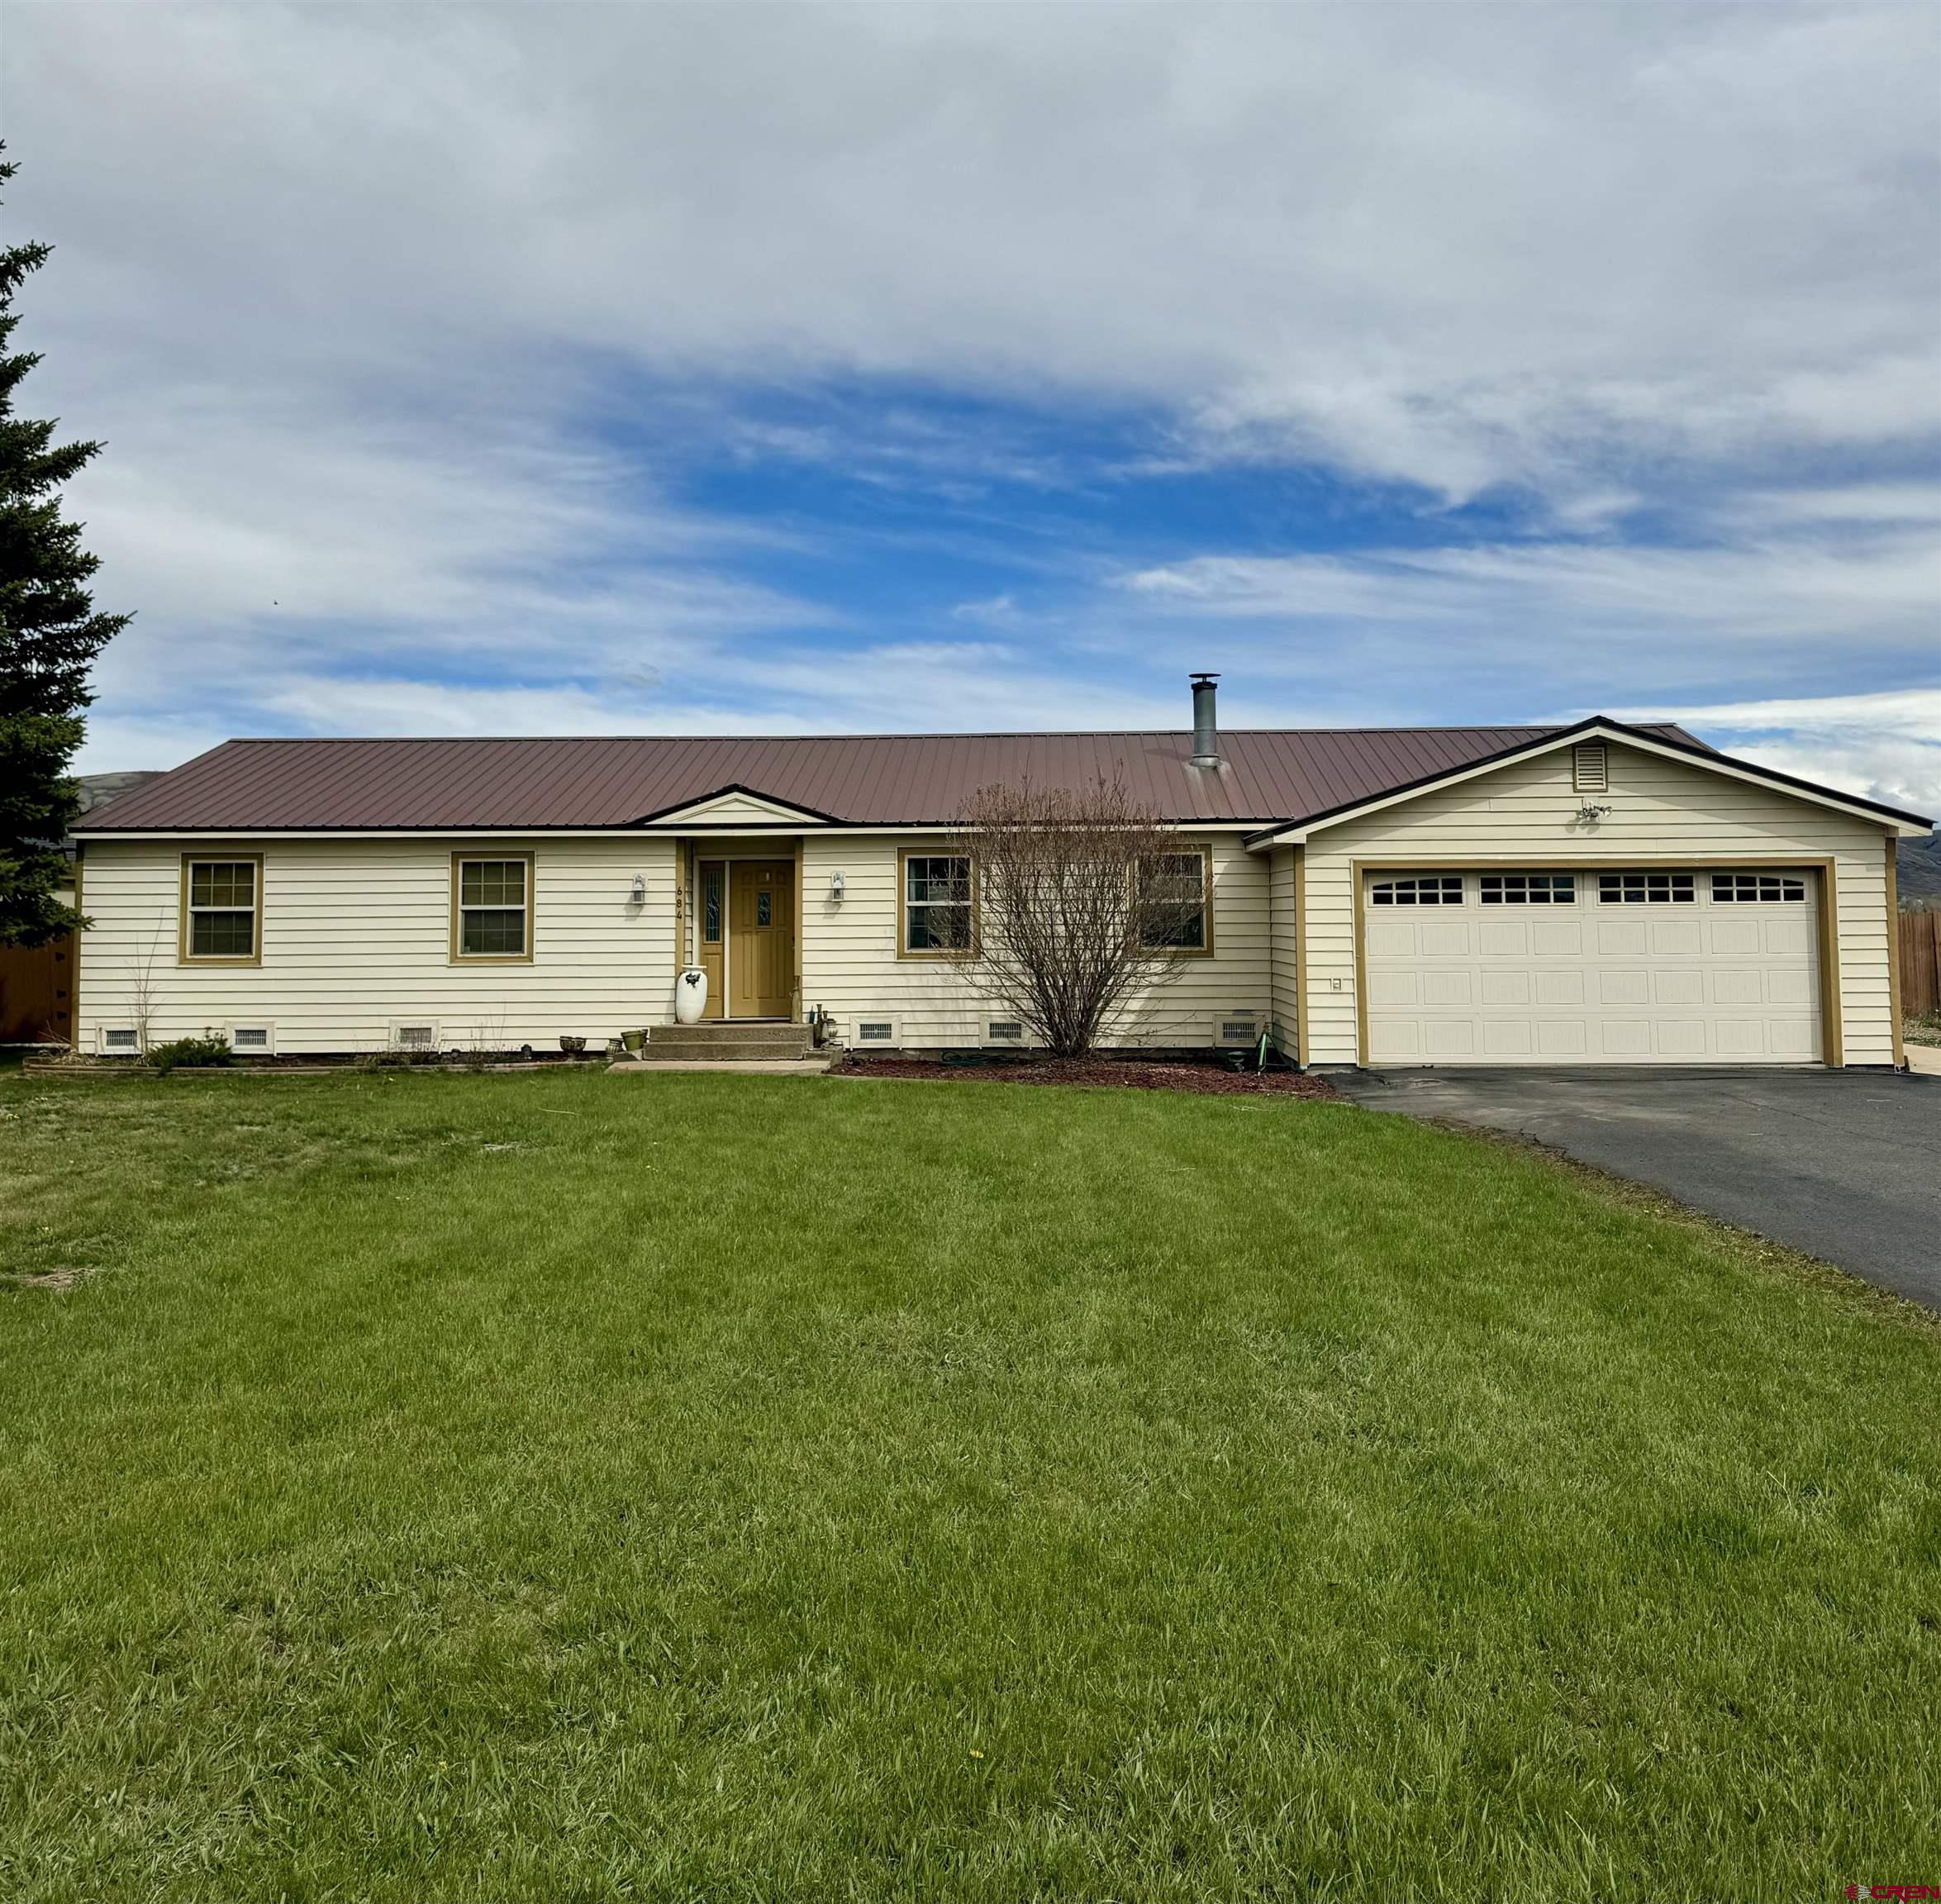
(1893, 953)
(1300, 956)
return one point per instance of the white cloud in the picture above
(355, 294)
(1884, 746)
(941, 687)
(997, 609)
(117, 742)
(946, 687)
(1871, 505)
(1446, 244)
(300, 600)
(1588, 612)
(1913, 713)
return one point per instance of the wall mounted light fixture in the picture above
(639, 891)
(836, 889)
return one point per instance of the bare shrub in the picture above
(141, 988)
(1072, 903)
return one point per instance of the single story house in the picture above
(1597, 893)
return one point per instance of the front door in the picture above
(761, 929)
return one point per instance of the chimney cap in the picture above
(1205, 727)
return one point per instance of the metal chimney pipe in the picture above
(1206, 726)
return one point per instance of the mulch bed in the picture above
(1210, 1080)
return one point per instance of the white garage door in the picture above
(1617, 967)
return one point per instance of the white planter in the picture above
(690, 995)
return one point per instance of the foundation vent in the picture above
(876, 1031)
(1232, 1029)
(1004, 1032)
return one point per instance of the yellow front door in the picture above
(761, 947)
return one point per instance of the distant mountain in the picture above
(98, 789)
(1918, 864)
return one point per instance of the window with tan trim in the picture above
(936, 906)
(223, 910)
(492, 908)
(1175, 909)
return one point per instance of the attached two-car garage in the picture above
(1597, 965)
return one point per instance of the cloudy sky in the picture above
(642, 369)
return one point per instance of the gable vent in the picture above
(1590, 767)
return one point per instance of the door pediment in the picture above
(735, 809)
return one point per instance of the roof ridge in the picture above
(964, 734)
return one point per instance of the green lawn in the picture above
(526, 1488)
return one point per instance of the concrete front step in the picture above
(812, 1066)
(725, 1054)
(751, 1041)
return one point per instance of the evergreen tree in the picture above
(48, 634)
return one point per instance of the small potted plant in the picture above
(632, 1040)
(572, 1046)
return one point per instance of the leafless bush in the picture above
(1071, 904)
(141, 987)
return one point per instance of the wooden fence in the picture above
(1921, 964)
(37, 993)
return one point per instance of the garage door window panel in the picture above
(1417, 889)
(1759, 888)
(1647, 888)
(1528, 889)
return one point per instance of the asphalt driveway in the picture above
(1843, 1164)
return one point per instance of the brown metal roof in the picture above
(1266, 775)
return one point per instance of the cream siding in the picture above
(1284, 987)
(851, 970)
(357, 935)
(1661, 809)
